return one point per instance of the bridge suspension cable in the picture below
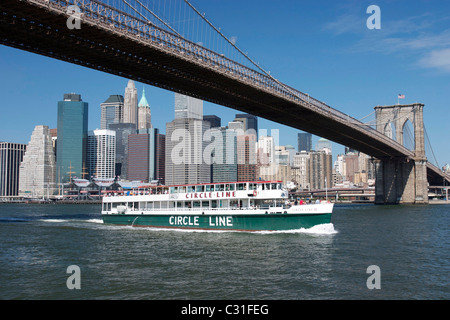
(430, 146)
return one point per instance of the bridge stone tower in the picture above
(401, 180)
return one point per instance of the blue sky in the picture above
(319, 47)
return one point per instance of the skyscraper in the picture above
(320, 170)
(304, 140)
(322, 144)
(250, 123)
(11, 155)
(224, 157)
(111, 111)
(72, 137)
(213, 120)
(37, 176)
(144, 113)
(185, 147)
(142, 163)
(130, 112)
(160, 158)
(188, 107)
(246, 157)
(123, 130)
(101, 156)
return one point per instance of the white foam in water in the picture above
(54, 220)
(320, 229)
(95, 220)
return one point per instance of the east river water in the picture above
(408, 244)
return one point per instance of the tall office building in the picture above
(246, 157)
(304, 140)
(142, 163)
(214, 121)
(250, 123)
(323, 144)
(144, 113)
(320, 170)
(11, 155)
(188, 107)
(160, 158)
(300, 170)
(101, 156)
(37, 177)
(72, 137)
(185, 151)
(111, 111)
(122, 130)
(130, 112)
(266, 150)
(224, 156)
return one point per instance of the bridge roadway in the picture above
(115, 42)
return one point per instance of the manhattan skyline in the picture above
(319, 47)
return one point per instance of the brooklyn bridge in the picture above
(134, 43)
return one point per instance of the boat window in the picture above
(182, 189)
(190, 189)
(267, 186)
(220, 187)
(196, 204)
(179, 204)
(279, 186)
(200, 189)
(252, 186)
(187, 204)
(232, 186)
(208, 188)
(172, 189)
(240, 186)
(274, 186)
(213, 204)
(205, 204)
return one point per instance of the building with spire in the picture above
(144, 113)
(37, 172)
(130, 114)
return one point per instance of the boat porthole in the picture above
(285, 212)
(203, 213)
(267, 212)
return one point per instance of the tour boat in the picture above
(244, 206)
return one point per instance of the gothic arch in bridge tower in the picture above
(407, 135)
(402, 180)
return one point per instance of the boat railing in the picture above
(173, 209)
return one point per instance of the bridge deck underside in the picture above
(96, 46)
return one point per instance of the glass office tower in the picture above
(72, 138)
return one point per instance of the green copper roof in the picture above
(143, 102)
